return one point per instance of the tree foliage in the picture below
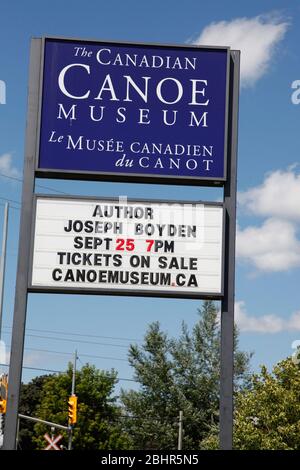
(98, 425)
(173, 374)
(178, 374)
(267, 415)
(30, 398)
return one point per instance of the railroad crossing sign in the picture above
(52, 441)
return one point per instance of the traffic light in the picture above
(3, 392)
(2, 405)
(3, 385)
(72, 409)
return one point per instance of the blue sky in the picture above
(268, 243)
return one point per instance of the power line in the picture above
(20, 180)
(71, 354)
(144, 418)
(104, 357)
(51, 189)
(10, 206)
(77, 334)
(10, 200)
(49, 351)
(118, 378)
(78, 341)
(15, 178)
(61, 371)
(73, 340)
(159, 419)
(37, 368)
(80, 360)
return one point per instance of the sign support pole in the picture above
(18, 331)
(2, 263)
(227, 307)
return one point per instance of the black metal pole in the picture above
(18, 331)
(227, 308)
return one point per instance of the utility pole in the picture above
(180, 430)
(2, 263)
(72, 394)
(74, 373)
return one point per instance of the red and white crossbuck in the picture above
(52, 441)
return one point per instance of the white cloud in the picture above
(278, 196)
(256, 38)
(6, 166)
(271, 247)
(35, 358)
(3, 356)
(269, 323)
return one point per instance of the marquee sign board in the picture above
(133, 112)
(106, 246)
(147, 94)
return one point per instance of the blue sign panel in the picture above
(133, 112)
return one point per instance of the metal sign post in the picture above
(227, 309)
(2, 263)
(18, 331)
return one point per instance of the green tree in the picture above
(178, 374)
(30, 398)
(267, 415)
(98, 425)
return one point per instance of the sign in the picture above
(107, 246)
(52, 441)
(177, 257)
(133, 112)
